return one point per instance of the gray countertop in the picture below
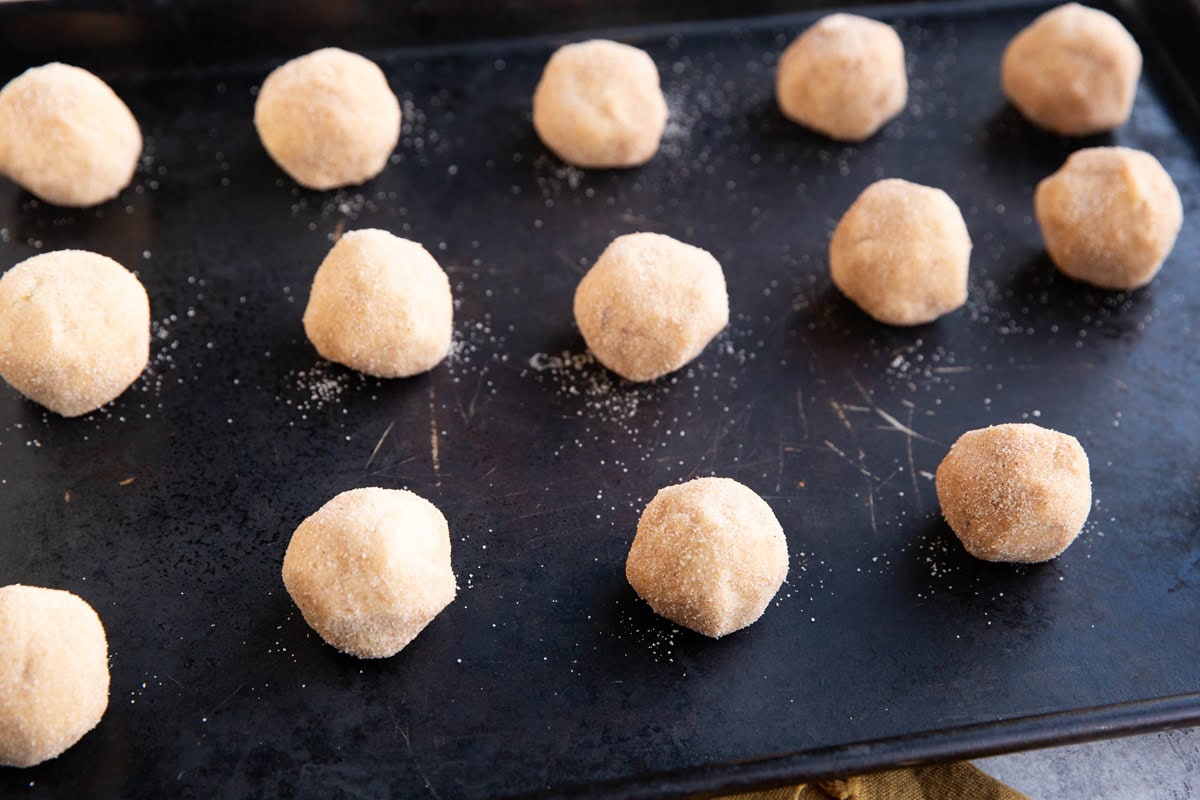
(1157, 766)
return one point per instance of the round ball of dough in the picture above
(53, 673)
(844, 76)
(650, 304)
(1015, 492)
(381, 305)
(328, 119)
(1074, 71)
(74, 330)
(599, 105)
(708, 555)
(1109, 216)
(901, 253)
(66, 137)
(370, 569)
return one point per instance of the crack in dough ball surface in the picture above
(1109, 216)
(370, 569)
(844, 77)
(901, 253)
(328, 119)
(381, 305)
(1074, 71)
(709, 554)
(650, 304)
(599, 105)
(74, 330)
(1015, 492)
(66, 137)
(53, 673)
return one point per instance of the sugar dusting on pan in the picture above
(312, 389)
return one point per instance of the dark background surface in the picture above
(169, 511)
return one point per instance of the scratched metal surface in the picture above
(170, 510)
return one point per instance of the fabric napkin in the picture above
(953, 781)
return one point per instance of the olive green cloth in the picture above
(954, 781)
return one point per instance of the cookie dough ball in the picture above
(844, 76)
(599, 105)
(901, 253)
(74, 330)
(328, 119)
(1015, 492)
(650, 304)
(53, 673)
(1109, 216)
(708, 555)
(1074, 71)
(66, 137)
(381, 305)
(370, 569)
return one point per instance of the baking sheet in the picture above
(170, 510)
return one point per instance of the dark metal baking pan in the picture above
(170, 510)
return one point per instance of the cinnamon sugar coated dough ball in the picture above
(1015, 492)
(650, 304)
(370, 569)
(381, 305)
(708, 555)
(66, 137)
(328, 119)
(901, 253)
(53, 673)
(1074, 71)
(74, 330)
(599, 105)
(1109, 216)
(844, 76)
